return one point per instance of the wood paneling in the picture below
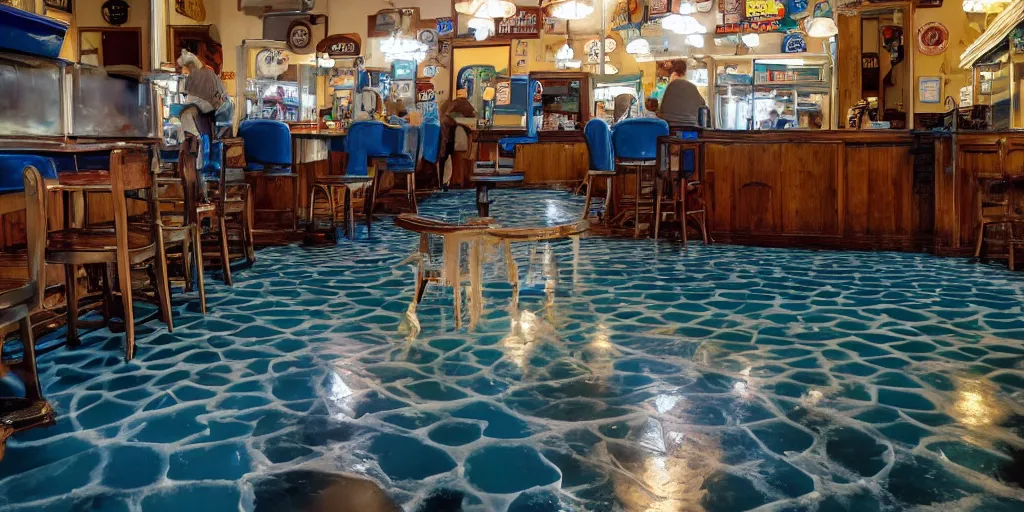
(802, 189)
(553, 162)
(848, 66)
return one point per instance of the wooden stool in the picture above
(671, 153)
(609, 177)
(328, 187)
(995, 207)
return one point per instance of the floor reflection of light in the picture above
(976, 404)
(338, 391)
(519, 342)
(812, 398)
(665, 403)
(744, 387)
(411, 321)
(669, 481)
(601, 340)
(552, 213)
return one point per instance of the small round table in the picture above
(484, 183)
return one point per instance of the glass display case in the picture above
(564, 100)
(169, 87)
(772, 92)
(993, 80)
(607, 88)
(43, 97)
(277, 84)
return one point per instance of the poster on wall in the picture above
(445, 26)
(503, 95)
(657, 7)
(192, 9)
(60, 5)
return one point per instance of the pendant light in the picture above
(820, 24)
(567, 9)
(486, 8)
(482, 27)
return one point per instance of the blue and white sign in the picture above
(794, 43)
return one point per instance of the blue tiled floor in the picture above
(632, 377)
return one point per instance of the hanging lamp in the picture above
(567, 9)
(483, 27)
(486, 8)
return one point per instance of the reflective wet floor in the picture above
(629, 375)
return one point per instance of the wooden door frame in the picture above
(137, 30)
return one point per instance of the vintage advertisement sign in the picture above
(340, 46)
(445, 26)
(657, 7)
(524, 24)
(425, 92)
(192, 9)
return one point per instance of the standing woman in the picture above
(682, 100)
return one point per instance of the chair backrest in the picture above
(12, 166)
(189, 177)
(365, 139)
(637, 139)
(35, 230)
(266, 142)
(599, 145)
(431, 140)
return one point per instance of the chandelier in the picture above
(567, 9)
(482, 27)
(486, 8)
(680, 24)
(398, 47)
(638, 46)
(984, 6)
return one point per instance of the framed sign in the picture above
(341, 46)
(425, 92)
(403, 70)
(503, 95)
(60, 5)
(929, 89)
(192, 9)
(657, 7)
(524, 24)
(445, 26)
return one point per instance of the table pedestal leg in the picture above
(482, 202)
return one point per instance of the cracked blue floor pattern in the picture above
(635, 377)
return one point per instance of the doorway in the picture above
(110, 46)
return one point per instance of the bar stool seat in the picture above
(65, 246)
(602, 163)
(635, 145)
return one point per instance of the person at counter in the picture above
(682, 101)
(774, 122)
(458, 107)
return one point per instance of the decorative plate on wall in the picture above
(300, 35)
(932, 38)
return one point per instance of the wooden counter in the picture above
(829, 189)
(556, 159)
(956, 183)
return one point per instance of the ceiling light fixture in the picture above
(486, 8)
(567, 9)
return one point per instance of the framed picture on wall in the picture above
(929, 89)
(60, 5)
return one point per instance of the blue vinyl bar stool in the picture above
(405, 145)
(362, 143)
(635, 142)
(602, 163)
(268, 151)
(509, 144)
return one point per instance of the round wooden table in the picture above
(484, 183)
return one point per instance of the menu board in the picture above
(524, 24)
(341, 46)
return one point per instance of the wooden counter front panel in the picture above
(850, 190)
(553, 162)
(773, 188)
(879, 198)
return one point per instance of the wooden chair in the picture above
(996, 207)
(18, 298)
(181, 226)
(686, 184)
(122, 247)
(356, 174)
